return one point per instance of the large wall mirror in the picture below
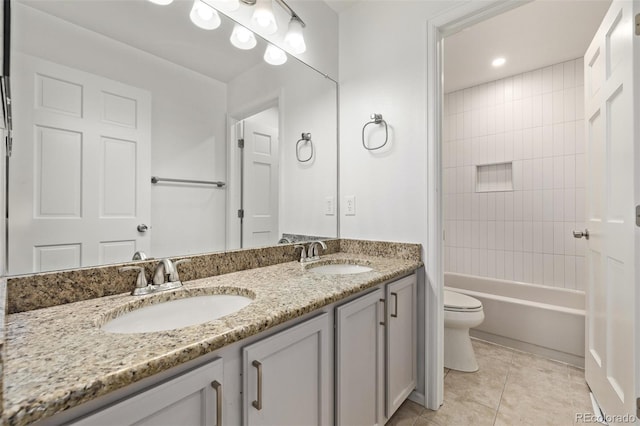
(108, 94)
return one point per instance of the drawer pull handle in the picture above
(384, 305)
(258, 404)
(395, 309)
(218, 387)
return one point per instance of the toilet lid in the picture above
(459, 301)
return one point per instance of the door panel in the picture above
(261, 182)
(292, 385)
(80, 168)
(610, 367)
(360, 361)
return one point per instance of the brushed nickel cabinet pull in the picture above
(395, 308)
(384, 304)
(218, 387)
(258, 404)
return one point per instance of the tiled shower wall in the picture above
(534, 120)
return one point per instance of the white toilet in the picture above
(461, 312)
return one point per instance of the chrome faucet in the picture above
(164, 271)
(313, 249)
(165, 277)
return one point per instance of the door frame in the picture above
(445, 24)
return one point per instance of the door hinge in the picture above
(241, 213)
(240, 143)
(638, 215)
(638, 24)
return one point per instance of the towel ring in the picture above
(307, 138)
(376, 119)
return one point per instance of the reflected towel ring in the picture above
(376, 119)
(307, 138)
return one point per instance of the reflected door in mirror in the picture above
(79, 171)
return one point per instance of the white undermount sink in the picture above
(176, 314)
(340, 269)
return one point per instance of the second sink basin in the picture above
(340, 269)
(176, 314)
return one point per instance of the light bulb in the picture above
(274, 55)
(498, 62)
(204, 16)
(242, 38)
(161, 2)
(294, 37)
(263, 17)
(205, 13)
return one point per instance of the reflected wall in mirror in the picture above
(108, 94)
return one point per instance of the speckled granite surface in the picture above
(57, 358)
(3, 302)
(406, 251)
(56, 288)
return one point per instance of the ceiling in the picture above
(164, 31)
(538, 34)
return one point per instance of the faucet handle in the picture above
(175, 276)
(141, 281)
(303, 253)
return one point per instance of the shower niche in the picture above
(495, 177)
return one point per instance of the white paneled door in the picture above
(80, 168)
(611, 110)
(260, 185)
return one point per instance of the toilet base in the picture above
(458, 352)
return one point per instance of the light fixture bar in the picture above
(284, 5)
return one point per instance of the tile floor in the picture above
(511, 388)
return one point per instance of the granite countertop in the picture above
(58, 357)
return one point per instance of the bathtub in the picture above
(547, 321)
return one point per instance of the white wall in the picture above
(307, 103)
(188, 125)
(320, 34)
(536, 121)
(382, 70)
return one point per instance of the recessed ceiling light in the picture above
(498, 62)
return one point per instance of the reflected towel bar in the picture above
(155, 179)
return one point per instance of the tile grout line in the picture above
(504, 386)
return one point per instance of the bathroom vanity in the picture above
(312, 347)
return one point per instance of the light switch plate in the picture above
(350, 205)
(329, 206)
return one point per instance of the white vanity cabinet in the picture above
(190, 399)
(401, 350)
(287, 377)
(360, 360)
(376, 353)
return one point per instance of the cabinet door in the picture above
(360, 361)
(190, 399)
(401, 341)
(287, 377)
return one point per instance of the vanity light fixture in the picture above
(274, 55)
(204, 16)
(161, 2)
(264, 18)
(294, 38)
(498, 62)
(242, 38)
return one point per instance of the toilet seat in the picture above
(458, 302)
